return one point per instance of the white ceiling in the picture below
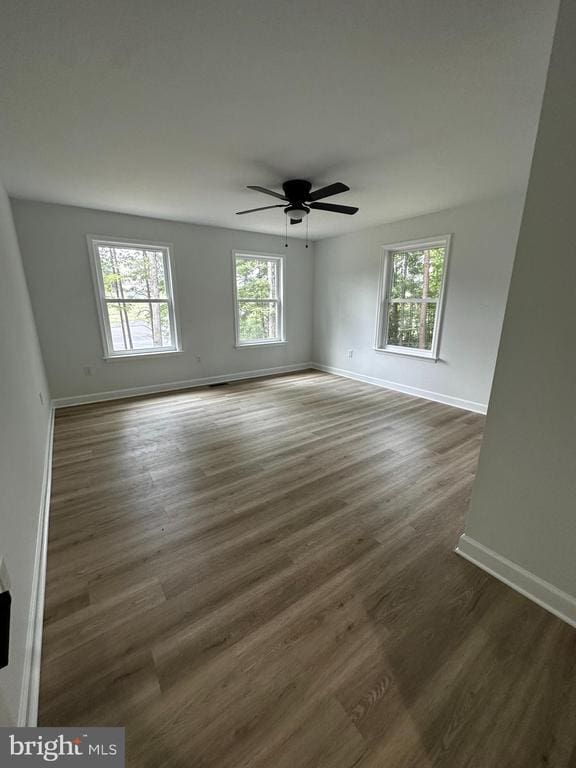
(169, 108)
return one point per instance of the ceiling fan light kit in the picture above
(296, 214)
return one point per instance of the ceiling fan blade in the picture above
(253, 210)
(268, 192)
(331, 189)
(349, 209)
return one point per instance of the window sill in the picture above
(141, 355)
(248, 344)
(409, 353)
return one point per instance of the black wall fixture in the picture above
(5, 605)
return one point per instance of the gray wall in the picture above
(54, 250)
(24, 423)
(523, 504)
(346, 285)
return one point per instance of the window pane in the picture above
(139, 326)
(411, 324)
(257, 278)
(132, 273)
(258, 320)
(417, 274)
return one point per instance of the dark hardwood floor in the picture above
(262, 575)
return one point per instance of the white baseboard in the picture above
(554, 600)
(28, 711)
(117, 394)
(437, 397)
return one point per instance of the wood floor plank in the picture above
(262, 574)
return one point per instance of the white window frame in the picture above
(101, 300)
(384, 289)
(280, 301)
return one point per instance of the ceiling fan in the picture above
(299, 199)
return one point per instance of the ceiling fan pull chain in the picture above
(306, 231)
(286, 226)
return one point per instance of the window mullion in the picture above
(127, 300)
(257, 301)
(413, 301)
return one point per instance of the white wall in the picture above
(54, 250)
(24, 424)
(524, 500)
(346, 279)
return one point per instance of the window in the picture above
(258, 297)
(411, 294)
(135, 301)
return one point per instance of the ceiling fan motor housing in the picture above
(297, 191)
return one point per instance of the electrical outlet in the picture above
(87, 370)
(350, 354)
